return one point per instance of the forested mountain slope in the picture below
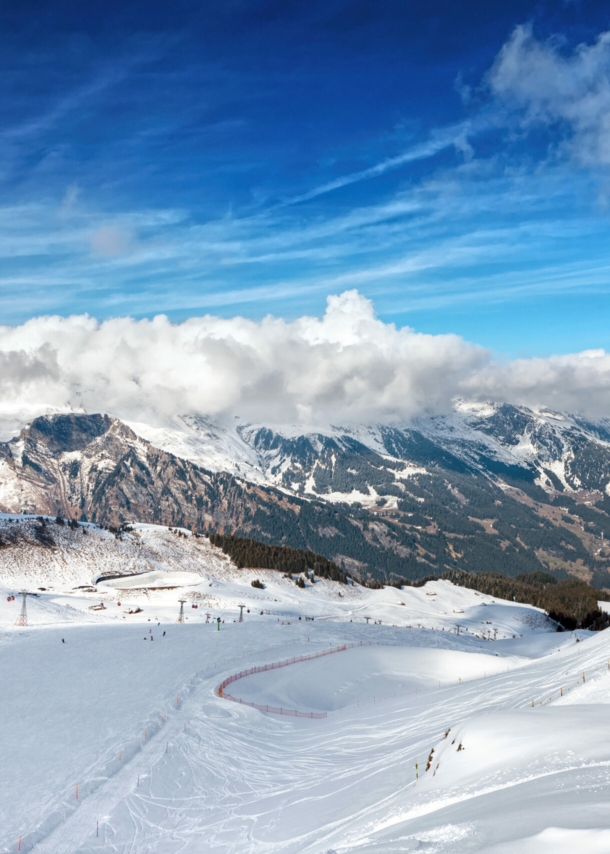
(496, 489)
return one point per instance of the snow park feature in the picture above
(279, 710)
(402, 734)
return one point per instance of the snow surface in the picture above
(158, 566)
(163, 764)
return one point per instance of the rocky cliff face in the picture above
(489, 488)
(97, 468)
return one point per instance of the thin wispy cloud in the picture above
(569, 91)
(123, 201)
(448, 138)
(71, 102)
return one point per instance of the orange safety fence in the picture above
(275, 710)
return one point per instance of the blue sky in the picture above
(450, 161)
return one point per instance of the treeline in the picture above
(570, 602)
(252, 553)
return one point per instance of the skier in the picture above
(62, 640)
(163, 634)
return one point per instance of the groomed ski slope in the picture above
(153, 567)
(108, 705)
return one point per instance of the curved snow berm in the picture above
(276, 665)
(368, 674)
(157, 579)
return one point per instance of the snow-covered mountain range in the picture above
(495, 487)
(557, 451)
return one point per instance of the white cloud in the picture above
(69, 201)
(576, 382)
(112, 241)
(553, 87)
(344, 367)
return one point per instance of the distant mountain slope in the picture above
(486, 488)
(555, 451)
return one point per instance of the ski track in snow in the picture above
(220, 787)
(237, 781)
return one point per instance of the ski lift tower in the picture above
(22, 619)
(241, 613)
(367, 620)
(181, 615)
(207, 618)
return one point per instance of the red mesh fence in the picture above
(293, 713)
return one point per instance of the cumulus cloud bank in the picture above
(347, 366)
